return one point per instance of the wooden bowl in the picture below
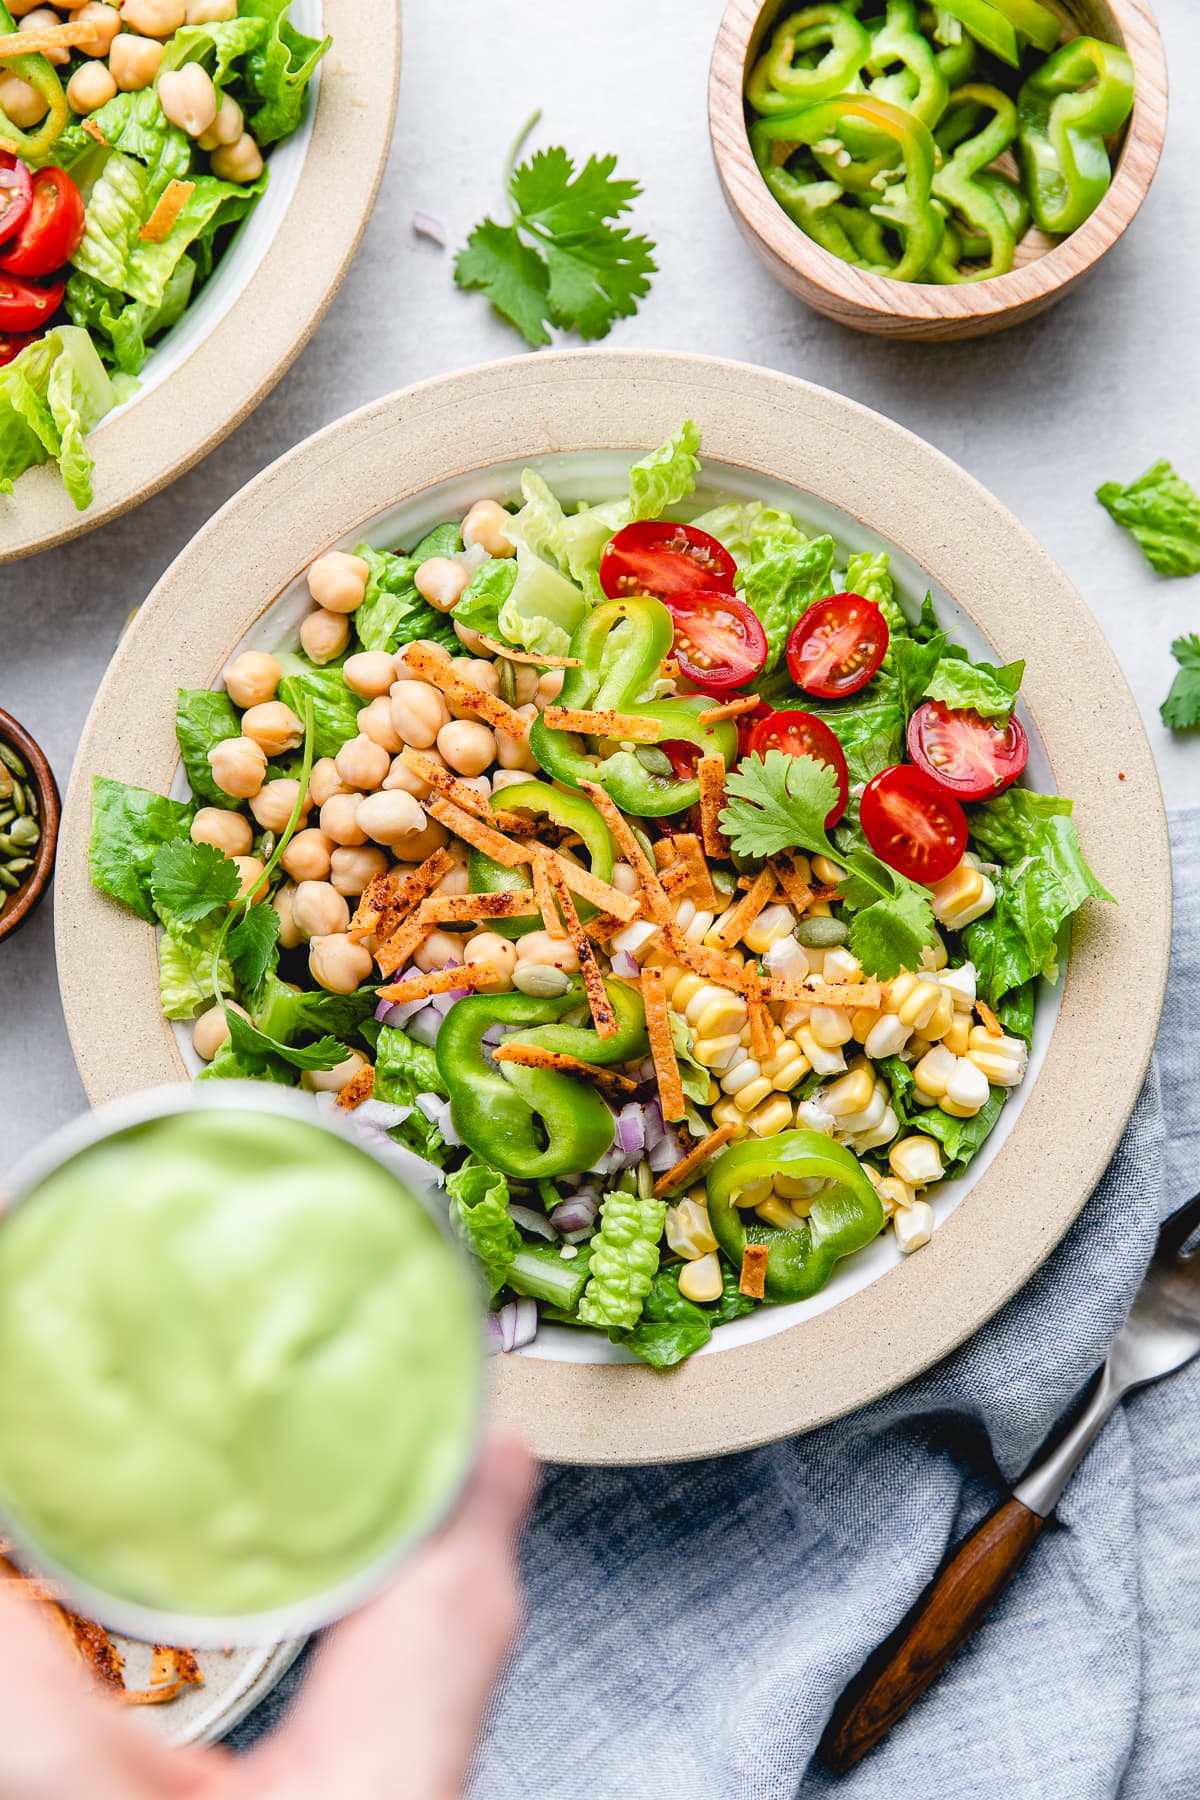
(23, 902)
(395, 468)
(1047, 268)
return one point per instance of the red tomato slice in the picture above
(16, 192)
(803, 734)
(11, 345)
(969, 756)
(51, 230)
(655, 557)
(719, 643)
(837, 645)
(684, 757)
(24, 307)
(913, 825)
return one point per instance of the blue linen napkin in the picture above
(689, 1628)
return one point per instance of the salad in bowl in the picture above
(650, 867)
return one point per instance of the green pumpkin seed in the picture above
(7, 846)
(11, 882)
(655, 762)
(26, 833)
(6, 782)
(821, 933)
(508, 681)
(540, 981)
(7, 815)
(8, 755)
(18, 798)
(20, 865)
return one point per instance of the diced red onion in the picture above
(508, 1326)
(664, 1155)
(624, 965)
(577, 1237)
(493, 1334)
(494, 1035)
(526, 1323)
(437, 1111)
(379, 1115)
(631, 1129)
(427, 226)
(644, 1071)
(578, 1213)
(423, 1029)
(444, 1002)
(531, 1220)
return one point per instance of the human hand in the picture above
(390, 1710)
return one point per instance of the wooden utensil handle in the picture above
(955, 1603)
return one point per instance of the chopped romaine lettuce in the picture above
(479, 1213)
(51, 396)
(130, 825)
(205, 717)
(393, 613)
(278, 70)
(335, 706)
(1162, 510)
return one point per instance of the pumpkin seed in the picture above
(20, 865)
(8, 755)
(26, 833)
(540, 980)
(19, 798)
(7, 815)
(6, 782)
(821, 933)
(11, 882)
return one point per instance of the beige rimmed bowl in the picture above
(1046, 268)
(883, 483)
(267, 296)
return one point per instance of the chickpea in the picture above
(211, 1030)
(525, 681)
(441, 580)
(389, 818)
(403, 778)
(418, 713)
(238, 765)
(424, 843)
(375, 722)
(325, 781)
(555, 953)
(495, 953)
(324, 634)
(107, 22)
(133, 62)
(514, 753)
(624, 879)
(318, 910)
(308, 856)
(481, 674)
(210, 12)
(19, 8)
(468, 746)
(471, 641)
(281, 900)
(21, 103)
(549, 686)
(243, 162)
(487, 525)
(224, 830)
(351, 870)
(37, 20)
(455, 881)
(369, 673)
(226, 128)
(438, 949)
(91, 86)
(502, 778)
(251, 869)
(338, 581)
(274, 727)
(153, 18)
(188, 98)
(337, 965)
(339, 819)
(404, 673)
(273, 804)
(252, 678)
(362, 763)
(332, 1081)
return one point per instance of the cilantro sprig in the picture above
(560, 261)
(1181, 708)
(781, 802)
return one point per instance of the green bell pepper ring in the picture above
(919, 85)
(1033, 21)
(957, 54)
(1067, 108)
(43, 78)
(988, 26)
(961, 242)
(779, 84)
(845, 1216)
(573, 813)
(957, 184)
(533, 1123)
(621, 645)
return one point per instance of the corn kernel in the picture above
(741, 1075)
(672, 974)
(723, 1013)
(772, 923)
(887, 1037)
(917, 1160)
(919, 1005)
(932, 1074)
(755, 1191)
(749, 1095)
(688, 1230)
(942, 1019)
(1002, 1059)
(778, 1212)
(958, 1039)
(871, 1116)
(715, 1052)
(820, 909)
(827, 872)
(894, 1194)
(841, 968)
(960, 985)
(884, 1132)
(934, 956)
(913, 1226)
(786, 1069)
(794, 1014)
(686, 988)
(967, 1086)
(789, 959)
(830, 1026)
(963, 896)
(802, 866)
(727, 1112)
(900, 989)
(701, 1280)
(851, 1094)
(863, 1022)
(799, 1190)
(771, 1116)
(812, 1115)
(700, 926)
(825, 1061)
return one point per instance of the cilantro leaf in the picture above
(779, 803)
(253, 947)
(598, 277)
(189, 881)
(1162, 511)
(889, 935)
(255, 1050)
(515, 278)
(546, 192)
(1181, 708)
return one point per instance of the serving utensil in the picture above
(1161, 1334)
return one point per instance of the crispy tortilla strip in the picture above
(467, 694)
(463, 794)
(762, 1026)
(714, 965)
(387, 899)
(356, 1090)
(662, 1047)
(601, 926)
(991, 1023)
(631, 850)
(77, 35)
(543, 893)
(677, 880)
(543, 661)
(90, 127)
(681, 1173)
(96, 1651)
(728, 709)
(729, 929)
(603, 1016)
(710, 773)
(395, 951)
(471, 909)
(438, 981)
(670, 668)
(690, 853)
(474, 832)
(609, 1082)
(862, 995)
(171, 202)
(753, 1279)
(826, 892)
(623, 726)
(597, 893)
(795, 888)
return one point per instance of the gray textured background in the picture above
(1094, 390)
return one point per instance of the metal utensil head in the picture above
(1162, 1332)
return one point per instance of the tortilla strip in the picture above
(395, 951)
(991, 1023)
(438, 981)
(681, 1172)
(386, 899)
(631, 850)
(93, 131)
(622, 726)
(603, 1016)
(542, 661)
(753, 1279)
(356, 1090)
(866, 996)
(609, 1082)
(728, 930)
(689, 852)
(728, 709)
(543, 893)
(474, 832)
(710, 773)
(762, 1026)
(171, 202)
(662, 1047)
(795, 888)
(463, 794)
(472, 909)
(714, 965)
(602, 926)
(467, 694)
(677, 880)
(76, 35)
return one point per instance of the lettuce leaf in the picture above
(130, 825)
(335, 706)
(278, 70)
(741, 523)
(961, 1139)
(1162, 511)
(404, 1068)
(479, 1213)
(979, 687)
(219, 44)
(393, 612)
(124, 326)
(132, 125)
(868, 574)
(671, 1328)
(485, 594)
(51, 396)
(870, 729)
(666, 476)
(694, 1077)
(543, 608)
(205, 717)
(185, 970)
(291, 1014)
(781, 581)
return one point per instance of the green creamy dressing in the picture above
(238, 1364)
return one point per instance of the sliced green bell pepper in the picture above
(845, 1216)
(1067, 108)
(962, 242)
(919, 85)
(1033, 20)
(957, 184)
(988, 26)
(779, 83)
(41, 76)
(573, 813)
(621, 645)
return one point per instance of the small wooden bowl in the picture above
(25, 899)
(1046, 268)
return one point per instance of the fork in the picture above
(1161, 1334)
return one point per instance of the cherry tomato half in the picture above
(719, 643)
(655, 557)
(683, 757)
(52, 229)
(803, 734)
(11, 345)
(16, 192)
(24, 307)
(837, 645)
(913, 825)
(969, 756)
